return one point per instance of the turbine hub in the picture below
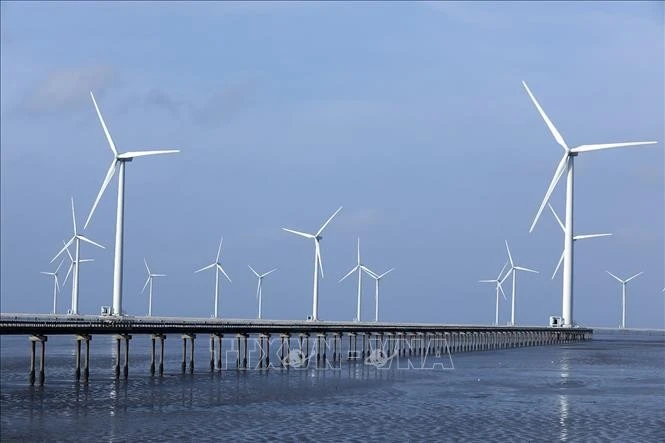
(318, 238)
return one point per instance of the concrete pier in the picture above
(31, 376)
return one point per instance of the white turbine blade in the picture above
(145, 285)
(634, 276)
(146, 265)
(73, 216)
(47, 273)
(498, 277)
(355, 268)
(369, 272)
(386, 273)
(558, 265)
(63, 249)
(506, 276)
(328, 221)
(501, 289)
(302, 234)
(519, 268)
(587, 148)
(487, 281)
(583, 236)
(563, 228)
(105, 183)
(318, 255)
(68, 253)
(134, 154)
(548, 122)
(106, 131)
(358, 250)
(206, 267)
(64, 282)
(87, 240)
(618, 279)
(268, 273)
(557, 175)
(219, 249)
(255, 273)
(57, 284)
(223, 272)
(86, 260)
(158, 275)
(58, 268)
(510, 257)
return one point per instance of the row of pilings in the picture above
(320, 350)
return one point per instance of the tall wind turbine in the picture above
(623, 295)
(71, 263)
(376, 278)
(575, 238)
(118, 162)
(218, 267)
(513, 269)
(357, 267)
(56, 285)
(317, 261)
(566, 164)
(259, 288)
(149, 280)
(497, 281)
(76, 239)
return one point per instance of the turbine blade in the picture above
(73, 216)
(205, 267)
(302, 234)
(558, 265)
(563, 228)
(369, 272)
(71, 266)
(498, 277)
(355, 268)
(57, 284)
(358, 250)
(105, 183)
(158, 275)
(318, 255)
(559, 139)
(520, 268)
(583, 236)
(46, 273)
(557, 175)
(255, 273)
(487, 281)
(86, 260)
(386, 273)
(618, 279)
(63, 249)
(501, 289)
(634, 276)
(146, 265)
(134, 154)
(510, 257)
(506, 276)
(328, 221)
(85, 239)
(145, 285)
(268, 273)
(219, 249)
(58, 268)
(106, 131)
(587, 148)
(224, 272)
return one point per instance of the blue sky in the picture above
(410, 115)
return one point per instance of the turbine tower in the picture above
(575, 238)
(76, 239)
(259, 288)
(497, 281)
(56, 285)
(376, 278)
(513, 269)
(118, 163)
(318, 267)
(566, 164)
(357, 267)
(218, 267)
(623, 295)
(149, 280)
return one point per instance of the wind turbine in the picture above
(376, 278)
(317, 261)
(623, 295)
(513, 269)
(497, 281)
(575, 238)
(76, 239)
(71, 263)
(567, 164)
(118, 162)
(218, 267)
(260, 285)
(357, 267)
(56, 284)
(149, 280)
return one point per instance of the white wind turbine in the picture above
(118, 162)
(376, 278)
(149, 280)
(623, 295)
(513, 269)
(497, 281)
(317, 261)
(259, 288)
(218, 267)
(575, 238)
(566, 164)
(56, 284)
(76, 239)
(71, 263)
(357, 267)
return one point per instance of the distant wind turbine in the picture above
(71, 263)
(56, 285)
(575, 238)
(498, 281)
(218, 267)
(76, 239)
(513, 269)
(376, 278)
(623, 295)
(566, 164)
(318, 266)
(149, 280)
(259, 288)
(118, 162)
(357, 267)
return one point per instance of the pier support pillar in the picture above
(126, 367)
(33, 340)
(86, 370)
(219, 351)
(212, 353)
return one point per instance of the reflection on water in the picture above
(563, 398)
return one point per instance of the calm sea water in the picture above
(612, 388)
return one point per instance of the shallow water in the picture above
(612, 388)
